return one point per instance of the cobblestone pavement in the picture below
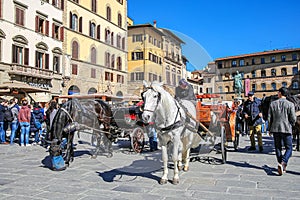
(24, 174)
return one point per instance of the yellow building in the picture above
(154, 54)
(95, 47)
(262, 72)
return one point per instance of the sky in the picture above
(215, 29)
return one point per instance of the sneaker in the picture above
(283, 166)
(261, 149)
(251, 149)
(280, 169)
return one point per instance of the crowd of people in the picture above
(27, 123)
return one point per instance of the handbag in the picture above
(37, 123)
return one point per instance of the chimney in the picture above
(154, 23)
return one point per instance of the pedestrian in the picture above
(253, 116)
(282, 118)
(152, 137)
(184, 91)
(3, 108)
(24, 120)
(37, 118)
(14, 124)
(50, 114)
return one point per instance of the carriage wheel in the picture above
(137, 140)
(223, 144)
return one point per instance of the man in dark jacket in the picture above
(253, 116)
(185, 91)
(281, 118)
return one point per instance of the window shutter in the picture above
(26, 56)
(36, 23)
(47, 61)
(70, 20)
(61, 33)
(90, 25)
(80, 24)
(98, 32)
(47, 27)
(62, 4)
(53, 30)
(14, 56)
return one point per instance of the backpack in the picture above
(8, 115)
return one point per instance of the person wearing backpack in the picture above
(37, 118)
(24, 120)
(3, 108)
(14, 123)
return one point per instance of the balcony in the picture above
(30, 71)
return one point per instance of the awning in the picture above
(20, 86)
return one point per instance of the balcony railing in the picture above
(30, 71)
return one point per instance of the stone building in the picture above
(262, 72)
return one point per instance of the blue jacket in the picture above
(252, 109)
(38, 116)
(2, 110)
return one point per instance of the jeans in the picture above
(2, 132)
(13, 127)
(25, 129)
(37, 135)
(286, 139)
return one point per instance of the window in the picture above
(94, 55)
(58, 4)
(119, 63)
(120, 79)
(107, 36)
(253, 61)
(58, 31)
(123, 43)
(295, 85)
(263, 86)
(284, 84)
(75, 50)
(20, 55)
(76, 1)
(94, 5)
(253, 74)
(98, 32)
(108, 13)
(137, 38)
(242, 62)
(74, 69)
(119, 41)
(92, 29)
(168, 78)
(295, 70)
(283, 58)
(120, 1)
(41, 25)
(113, 61)
(263, 73)
(220, 65)
(262, 60)
(41, 60)
(174, 79)
(93, 73)
(294, 57)
(20, 15)
(107, 59)
(112, 38)
(56, 63)
(273, 72)
(273, 58)
(233, 63)
(109, 76)
(137, 76)
(220, 89)
(253, 87)
(137, 55)
(119, 20)
(273, 85)
(74, 22)
(283, 72)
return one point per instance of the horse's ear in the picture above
(161, 83)
(145, 84)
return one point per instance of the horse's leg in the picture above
(164, 178)
(177, 153)
(186, 158)
(69, 150)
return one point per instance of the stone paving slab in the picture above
(24, 174)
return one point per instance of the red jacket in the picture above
(24, 114)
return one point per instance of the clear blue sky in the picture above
(223, 28)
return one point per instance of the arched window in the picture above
(119, 20)
(253, 74)
(94, 5)
(295, 70)
(220, 89)
(273, 86)
(93, 55)
(283, 71)
(227, 89)
(107, 59)
(73, 90)
(75, 50)
(92, 91)
(74, 25)
(263, 73)
(284, 84)
(92, 30)
(112, 38)
(108, 13)
(119, 63)
(263, 86)
(107, 35)
(113, 61)
(273, 72)
(295, 84)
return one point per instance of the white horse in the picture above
(169, 118)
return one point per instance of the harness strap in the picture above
(173, 126)
(67, 113)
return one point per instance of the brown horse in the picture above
(80, 114)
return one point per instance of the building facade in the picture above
(262, 72)
(31, 37)
(95, 47)
(154, 54)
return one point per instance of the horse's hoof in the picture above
(163, 181)
(93, 156)
(186, 168)
(180, 167)
(175, 181)
(109, 155)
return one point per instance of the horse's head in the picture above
(151, 97)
